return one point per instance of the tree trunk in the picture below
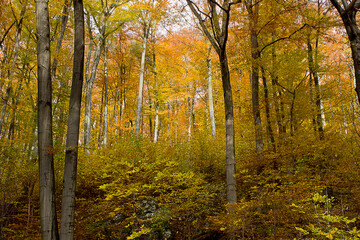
(314, 73)
(72, 137)
(156, 128)
(218, 39)
(89, 88)
(48, 221)
(88, 57)
(348, 15)
(230, 133)
(210, 97)
(253, 10)
(141, 80)
(267, 110)
(64, 20)
(189, 117)
(106, 96)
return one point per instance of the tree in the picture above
(217, 34)
(253, 11)
(107, 11)
(48, 219)
(348, 11)
(210, 94)
(68, 197)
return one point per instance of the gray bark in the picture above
(267, 111)
(314, 75)
(157, 104)
(210, 97)
(105, 96)
(89, 88)
(253, 11)
(64, 20)
(48, 221)
(218, 36)
(72, 138)
(141, 79)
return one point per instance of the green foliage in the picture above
(327, 225)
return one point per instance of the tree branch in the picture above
(6, 32)
(337, 6)
(283, 38)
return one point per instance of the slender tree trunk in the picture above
(276, 93)
(210, 97)
(218, 40)
(101, 118)
(189, 117)
(267, 110)
(48, 221)
(64, 20)
(106, 96)
(314, 73)
(253, 10)
(157, 103)
(141, 80)
(193, 113)
(230, 133)
(72, 137)
(156, 128)
(89, 88)
(88, 58)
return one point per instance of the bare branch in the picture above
(283, 38)
(6, 32)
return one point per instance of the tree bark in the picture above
(89, 88)
(48, 219)
(210, 97)
(106, 95)
(348, 15)
(218, 36)
(253, 11)
(141, 80)
(267, 111)
(72, 140)
(64, 20)
(157, 103)
(314, 75)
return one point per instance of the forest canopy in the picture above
(161, 119)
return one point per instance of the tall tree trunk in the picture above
(48, 219)
(64, 20)
(218, 36)
(314, 73)
(210, 97)
(89, 88)
(157, 103)
(348, 15)
(88, 57)
(276, 94)
(106, 96)
(267, 110)
(156, 128)
(230, 133)
(189, 117)
(253, 10)
(141, 80)
(72, 137)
